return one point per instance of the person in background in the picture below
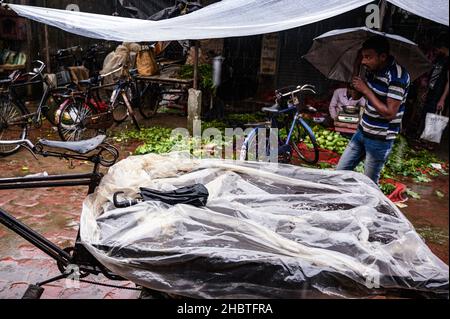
(386, 90)
(436, 98)
(345, 97)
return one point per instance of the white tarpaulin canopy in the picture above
(227, 18)
(436, 10)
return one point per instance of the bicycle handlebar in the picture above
(71, 50)
(36, 71)
(19, 142)
(304, 88)
(112, 72)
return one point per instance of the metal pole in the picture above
(196, 49)
(383, 9)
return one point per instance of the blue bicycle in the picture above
(264, 143)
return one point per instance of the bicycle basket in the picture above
(63, 78)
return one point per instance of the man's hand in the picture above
(440, 105)
(360, 86)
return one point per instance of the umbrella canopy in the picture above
(334, 53)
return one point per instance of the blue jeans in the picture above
(375, 152)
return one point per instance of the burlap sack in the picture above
(146, 62)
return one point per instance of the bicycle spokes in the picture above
(12, 125)
(71, 124)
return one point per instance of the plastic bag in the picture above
(113, 61)
(434, 127)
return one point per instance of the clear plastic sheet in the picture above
(226, 18)
(267, 231)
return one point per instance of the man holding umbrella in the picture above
(385, 90)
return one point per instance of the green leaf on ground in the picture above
(434, 235)
(422, 179)
(439, 194)
(412, 194)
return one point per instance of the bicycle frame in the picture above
(298, 117)
(36, 116)
(273, 123)
(76, 255)
(284, 146)
(121, 90)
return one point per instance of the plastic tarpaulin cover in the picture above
(227, 18)
(267, 231)
(436, 10)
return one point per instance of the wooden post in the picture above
(29, 49)
(47, 47)
(47, 50)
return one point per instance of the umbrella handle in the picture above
(125, 203)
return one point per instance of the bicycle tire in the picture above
(129, 111)
(70, 122)
(149, 103)
(9, 111)
(119, 108)
(134, 120)
(303, 132)
(250, 150)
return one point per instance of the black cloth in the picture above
(181, 7)
(438, 80)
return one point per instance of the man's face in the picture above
(372, 60)
(442, 51)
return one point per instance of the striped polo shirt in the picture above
(391, 82)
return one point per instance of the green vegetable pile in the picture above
(387, 188)
(329, 140)
(403, 161)
(159, 140)
(205, 72)
(407, 162)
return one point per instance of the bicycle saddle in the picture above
(275, 109)
(91, 81)
(5, 81)
(80, 147)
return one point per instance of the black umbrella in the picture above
(335, 52)
(196, 195)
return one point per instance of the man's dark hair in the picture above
(442, 41)
(378, 43)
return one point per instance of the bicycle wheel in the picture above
(257, 146)
(134, 120)
(301, 141)
(149, 102)
(126, 99)
(71, 121)
(119, 108)
(11, 126)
